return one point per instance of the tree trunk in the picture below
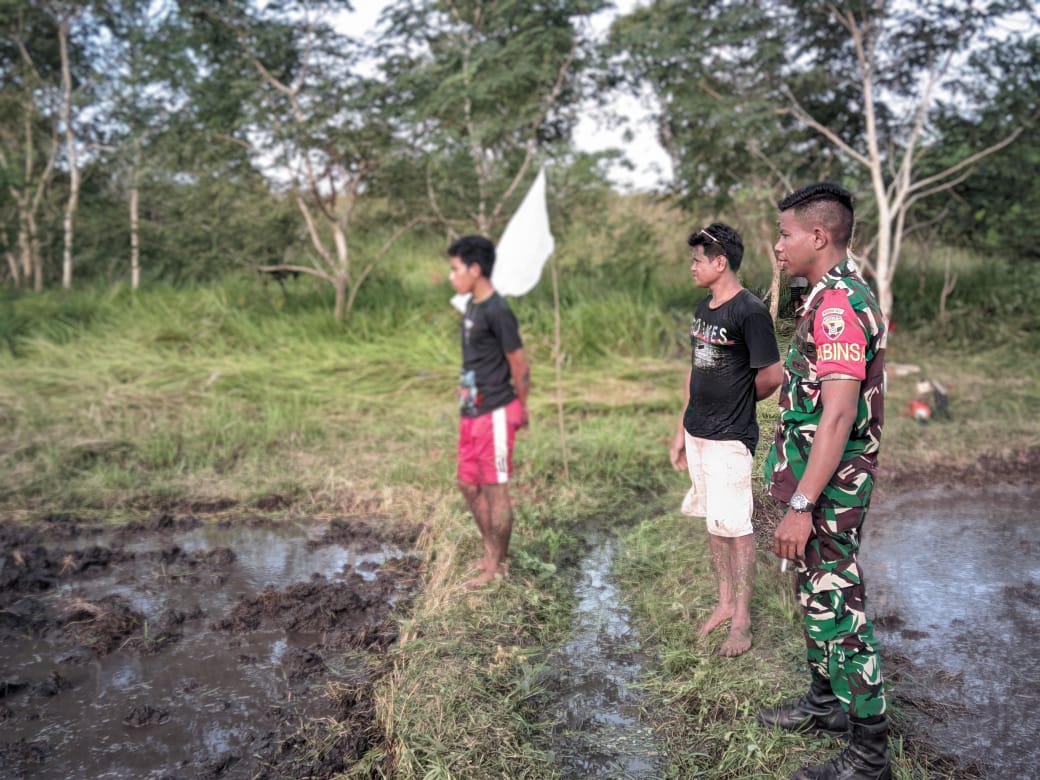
(765, 232)
(24, 245)
(34, 253)
(12, 266)
(135, 241)
(70, 143)
(885, 262)
(949, 283)
(774, 284)
(340, 283)
(10, 258)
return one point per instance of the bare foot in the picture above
(485, 578)
(479, 581)
(719, 616)
(737, 643)
(482, 565)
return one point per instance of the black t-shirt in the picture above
(489, 332)
(729, 344)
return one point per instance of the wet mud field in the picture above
(597, 702)
(178, 647)
(953, 574)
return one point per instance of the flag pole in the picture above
(558, 360)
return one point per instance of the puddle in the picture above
(597, 708)
(954, 582)
(191, 651)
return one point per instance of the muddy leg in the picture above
(477, 500)
(499, 530)
(742, 563)
(721, 562)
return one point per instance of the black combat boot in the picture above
(819, 710)
(866, 757)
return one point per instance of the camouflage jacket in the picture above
(840, 330)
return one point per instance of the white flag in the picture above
(524, 247)
(525, 244)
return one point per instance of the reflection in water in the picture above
(208, 690)
(599, 733)
(953, 578)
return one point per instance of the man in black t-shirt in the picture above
(735, 363)
(493, 386)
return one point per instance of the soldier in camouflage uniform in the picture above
(822, 464)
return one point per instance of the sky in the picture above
(593, 133)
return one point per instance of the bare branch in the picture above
(232, 140)
(947, 185)
(388, 244)
(902, 184)
(949, 284)
(312, 231)
(299, 269)
(48, 169)
(431, 196)
(807, 118)
(967, 161)
(756, 152)
(919, 227)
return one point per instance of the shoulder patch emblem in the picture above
(833, 322)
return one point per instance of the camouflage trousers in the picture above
(841, 647)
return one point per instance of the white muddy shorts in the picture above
(720, 473)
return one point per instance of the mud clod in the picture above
(101, 625)
(9, 687)
(145, 715)
(1027, 594)
(54, 684)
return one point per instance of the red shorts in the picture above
(486, 445)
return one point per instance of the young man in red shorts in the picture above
(493, 386)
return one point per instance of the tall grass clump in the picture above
(987, 299)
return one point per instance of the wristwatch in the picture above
(799, 503)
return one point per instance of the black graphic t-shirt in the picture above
(729, 344)
(489, 332)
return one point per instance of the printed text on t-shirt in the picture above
(713, 334)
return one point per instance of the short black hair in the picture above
(474, 249)
(717, 239)
(827, 203)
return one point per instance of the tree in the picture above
(905, 55)
(714, 68)
(481, 90)
(68, 67)
(866, 79)
(29, 68)
(137, 108)
(173, 154)
(311, 113)
(67, 15)
(993, 210)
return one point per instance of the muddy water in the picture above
(954, 580)
(182, 653)
(597, 710)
